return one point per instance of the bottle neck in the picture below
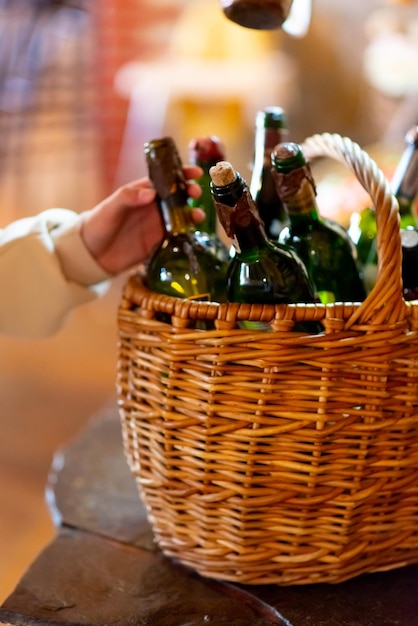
(297, 192)
(205, 152)
(249, 238)
(174, 212)
(239, 216)
(405, 180)
(166, 173)
(206, 200)
(265, 140)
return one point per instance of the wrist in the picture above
(77, 262)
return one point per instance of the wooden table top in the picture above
(103, 568)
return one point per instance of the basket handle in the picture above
(384, 304)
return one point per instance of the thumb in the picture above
(133, 194)
(145, 195)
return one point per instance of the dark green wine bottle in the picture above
(324, 246)
(270, 129)
(404, 185)
(179, 266)
(205, 152)
(261, 272)
(409, 239)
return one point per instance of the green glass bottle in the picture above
(270, 129)
(404, 185)
(205, 152)
(405, 180)
(362, 232)
(179, 266)
(323, 245)
(409, 239)
(261, 272)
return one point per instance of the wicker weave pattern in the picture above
(279, 457)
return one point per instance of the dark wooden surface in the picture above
(103, 568)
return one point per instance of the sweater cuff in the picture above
(77, 264)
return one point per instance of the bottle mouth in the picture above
(257, 14)
(286, 156)
(293, 16)
(165, 167)
(271, 117)
(208, 148)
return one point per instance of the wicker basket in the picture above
(278, 457)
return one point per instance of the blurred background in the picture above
(83, 85)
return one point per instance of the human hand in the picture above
(121, 231)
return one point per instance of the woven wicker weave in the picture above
(278, 457)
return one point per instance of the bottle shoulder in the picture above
(268, 249)
(275, 260)
(173, 239)
(322, 230)
(213, 244)
(183, 244)
(269, 279)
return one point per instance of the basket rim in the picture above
(335, 316)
